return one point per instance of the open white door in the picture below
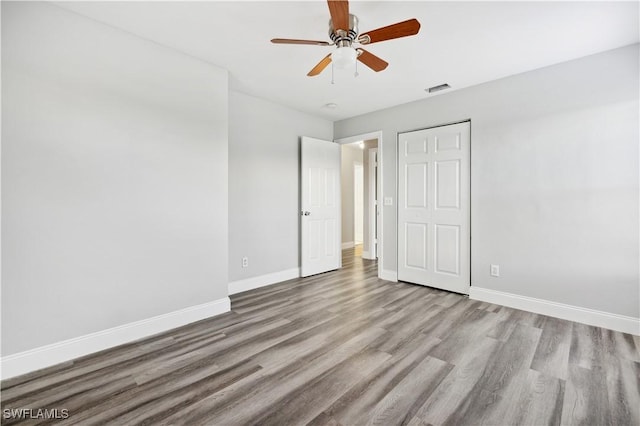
(320, 215)
(434, 207)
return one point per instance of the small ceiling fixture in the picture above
(331, 105)
(438, 88)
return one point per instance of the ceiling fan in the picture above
(343, 32)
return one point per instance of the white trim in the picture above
(359, 138)
(263, 280)
(348, 245)
(388, 275)
(608, 320)
(367, 255)
(380, 219)
(66, 350)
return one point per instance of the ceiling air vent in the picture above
(438, 88)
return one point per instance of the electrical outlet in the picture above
(495, 270)
(245, 262)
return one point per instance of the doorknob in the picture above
(305, 213)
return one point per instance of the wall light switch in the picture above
(245, 262)
(495, 270)
(388, 201)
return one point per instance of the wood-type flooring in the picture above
(346, 348)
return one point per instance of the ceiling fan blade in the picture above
(321, 66)
(372, 61)
(401, 29)
(339, 10)
(294, 41)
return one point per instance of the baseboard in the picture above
(56, 353)
(263, 280)
(608, 320)
(388, 275)
(348, 245)
(366, 255)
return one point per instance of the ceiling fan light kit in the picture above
(342, 57)
(343, 32)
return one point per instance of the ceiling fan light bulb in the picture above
(343, 57)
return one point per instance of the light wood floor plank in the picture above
(359, 402)
(586, 399)
(552, 352)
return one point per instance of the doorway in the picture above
(351, 181)
(373, 217)
(359, 198)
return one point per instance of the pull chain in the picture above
(356, 73)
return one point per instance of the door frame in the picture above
(363, 137)
(397, 177)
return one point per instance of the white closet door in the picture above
(434, 207)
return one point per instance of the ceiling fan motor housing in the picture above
(342, 37)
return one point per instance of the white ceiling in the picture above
(460, 43)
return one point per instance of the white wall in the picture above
(554, 178)
(114, 178)
(264, 168)
(351, 154)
